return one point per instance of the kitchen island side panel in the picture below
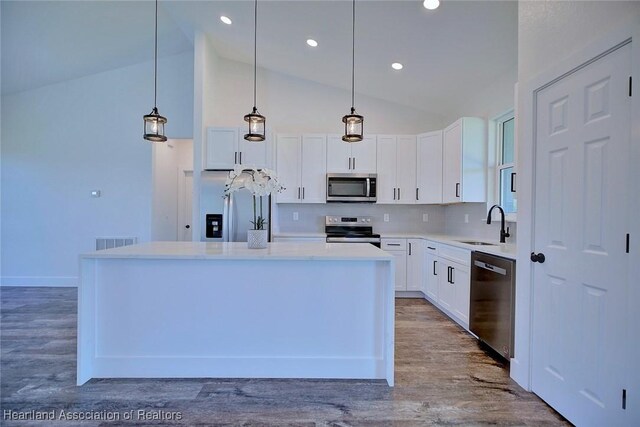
(235, 318)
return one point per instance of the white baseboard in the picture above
(67, 282)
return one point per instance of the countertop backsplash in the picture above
(402, 218)
(449, 220)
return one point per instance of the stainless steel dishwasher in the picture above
(491, 312)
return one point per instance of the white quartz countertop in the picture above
(506, 250)
(239, 251)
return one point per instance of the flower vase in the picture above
(256, 239)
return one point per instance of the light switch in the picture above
(466, 218)
(95, 193)
(386, 217)
(425, 217)
(295, 216)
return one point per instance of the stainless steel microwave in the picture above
(351, 187)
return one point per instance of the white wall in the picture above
(292, 104)
(61, 141)
(549, 34)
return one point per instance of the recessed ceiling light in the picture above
(312, 42)
(431, 4)
(396, 66)
(227, 20)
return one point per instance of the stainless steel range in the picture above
(350, 229)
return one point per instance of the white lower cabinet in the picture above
(431, 272)
(415, 264)
(447, 280)
(300, 239)
(398, 248)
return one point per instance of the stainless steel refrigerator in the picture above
(227, 218)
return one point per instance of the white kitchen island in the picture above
(220, 310)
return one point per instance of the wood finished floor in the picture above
(443, 377)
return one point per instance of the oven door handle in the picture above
(352, 240)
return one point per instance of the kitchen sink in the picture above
(476, 243)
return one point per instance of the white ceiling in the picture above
(448, 54)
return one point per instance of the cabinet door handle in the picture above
(398, 193)
(394, 193)
(513, 182)
(240, 157)
(235, 157)
(409, 248)
(303, 192)
(298, 192)
(349, 163)
(453, 278)
(434, 268)
(354, 163)
(457, 189)
(417, 194)
(449, 275)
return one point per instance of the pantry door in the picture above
(580, 220)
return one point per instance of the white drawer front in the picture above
(394, 244)
(463, 256)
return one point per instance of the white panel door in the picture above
(386, 183)
(253, 154)
(313, 175)
(364, 155)
(452, 163)
(338, 155)
(429, 168)
(221, 150)
(288, 168)
(406, 169)
(581, 217)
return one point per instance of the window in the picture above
(505, 133)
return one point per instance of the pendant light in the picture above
(154, 122)
(255, 120)
(353, 123)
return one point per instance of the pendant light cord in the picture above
(255, 49)
(155, 79)
(353, 54)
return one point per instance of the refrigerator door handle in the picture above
(231, 223)
(225, 221)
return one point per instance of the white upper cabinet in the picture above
(226, 147)
(301, 169)
(396, 169)
(429, 168)
(464, 165)
(355, 157)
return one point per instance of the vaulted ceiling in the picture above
(448, 54)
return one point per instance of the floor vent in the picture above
(114, 242)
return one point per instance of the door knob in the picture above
(187, 226)
(537, 257)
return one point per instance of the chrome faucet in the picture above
(503, 234)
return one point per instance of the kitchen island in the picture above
(220, 310)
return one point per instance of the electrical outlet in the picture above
(425, 217)
(386, 217)
(466, 218)
(295, 216)
(96, 193)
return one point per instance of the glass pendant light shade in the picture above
(154, 126)
(256, 123)
(353, 127)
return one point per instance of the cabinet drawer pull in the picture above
(513, 182)
(393, 244)
(432, 248)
